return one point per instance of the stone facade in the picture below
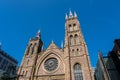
(57, 63)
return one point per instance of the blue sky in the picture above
(21, 19)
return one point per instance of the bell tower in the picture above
(75, 51)
(27, 67)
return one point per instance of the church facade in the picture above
(68, 63)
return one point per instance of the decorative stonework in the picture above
(51, 64)
(55, 63)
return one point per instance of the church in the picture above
(68, 63)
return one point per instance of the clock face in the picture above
(51, 64)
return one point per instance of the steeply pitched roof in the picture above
(52, 46)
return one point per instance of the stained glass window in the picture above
(78, 72)
(51, 64)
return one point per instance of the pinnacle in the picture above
(71, 15)
(66, 16)
(75, 14)
(52, 41)
(38, 34)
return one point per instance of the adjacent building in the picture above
(8, 65)
(108, 67)
(68, 63)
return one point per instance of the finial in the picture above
(70, 14)
(66, 16)
(75, 14)
(52, 41)
(62, 44)
(38, 33)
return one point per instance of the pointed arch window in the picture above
(73, 51)
(33, 49)
(74, 26)
(28, 49)
(71, 40)
(70, 27)
(76, 40)
(77, 51)
(78, 72)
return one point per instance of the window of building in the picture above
(78, 72)
(28, 49)
(9, 68)
(74, 26)
(33, 49)
(3, 65)
(14, 70)
(77, 51)
(73, 51)
(70, 27)
(71, 40)
(0, 59)
(76, 39)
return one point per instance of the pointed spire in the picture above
(75, 14)
(66, 16)
(38, 34)
(70, 14)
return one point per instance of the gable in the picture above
(52, 46)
